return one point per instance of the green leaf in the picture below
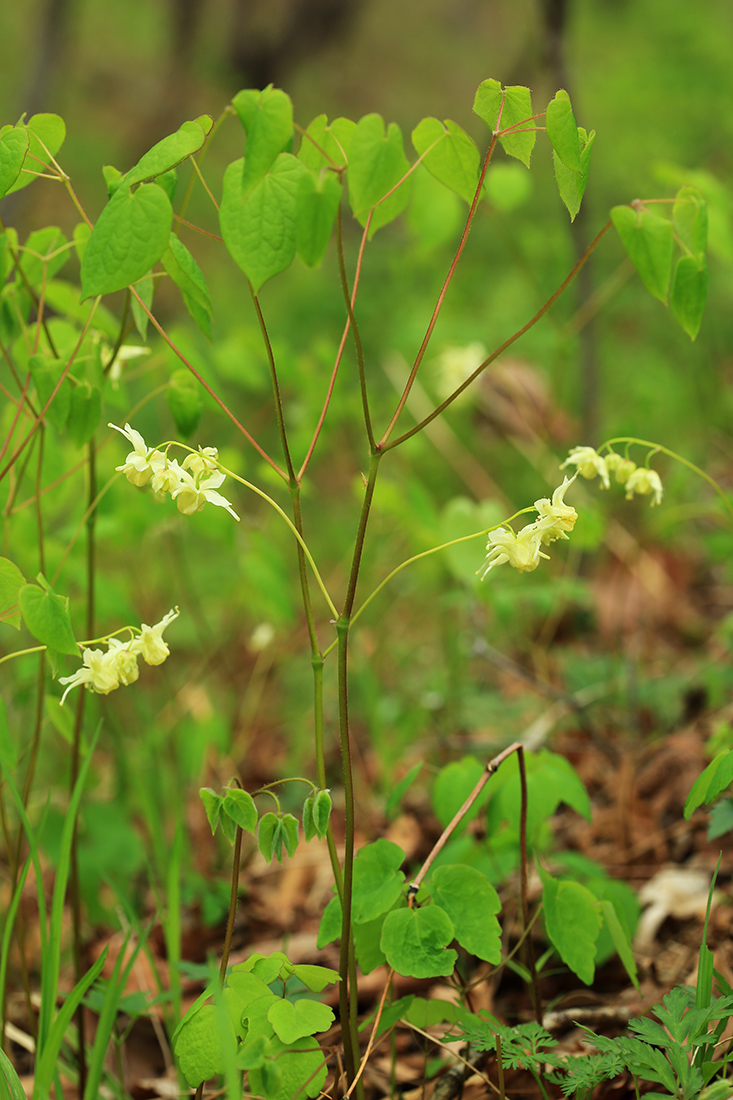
(131, 235)
(13, 148)
(471, 902)
(11, 582)
(301, 1071)
(309, 826)
(573, 922)
(689, 292)
(269, 837)
(11, 1089)
(318, 203)
(453, 157)
(325, 145)
(709, 784)
(46, 133)
(240, 807)
(170, 151)
(46, 372)
(212, 805)
(85, 412)
(690, 219)
(315, 978)
(316, 814)
(322, 812)
(452, 787)
(184, 401)
(260, 227)
(648, 240)
(47, 617)
(377, 879)
(367, 939)
(289, 830)
(186, 273)
(503, 109)
(377, 162)
(199, 1044)
(294, 1021)
(330, 926)
(571, 184)
(562, 131)
(621, 941)
(267, 118)
(415, 942)
(551, 781)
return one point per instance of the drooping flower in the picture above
(621, 467)
(556, 517)
(198, 461)
(167, 478)
(149, 644)
(98, 673)
(589, 463)
(143, 461)
(522, 551)
(123, 657)
(104, 672)
(644, 482)
(191, 494)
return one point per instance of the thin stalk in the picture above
(347, 987)
(355, 327)
(279, 414)
(74, 886)
(211, 392)
(34, 427)
(496, 353)
(233, 896)
(339, 353)
(441, 297)
(529, 959)
(491, 768)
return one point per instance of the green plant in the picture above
(277, 204)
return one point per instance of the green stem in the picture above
(347, 988)
(74, 885)
(293, 528)
(226, 950)
(529, 959)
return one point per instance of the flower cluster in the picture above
(637, 479)
(103, 672)
(524, 550)
(192, 483)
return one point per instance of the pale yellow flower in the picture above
(149, 644)
(142, 462)
(621, 467)
(191, 494)
(556, 517)
(589, 463)
(522, 551)
(644, 482)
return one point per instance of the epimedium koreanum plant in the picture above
(278, 202)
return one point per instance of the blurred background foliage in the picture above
(629, 610)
